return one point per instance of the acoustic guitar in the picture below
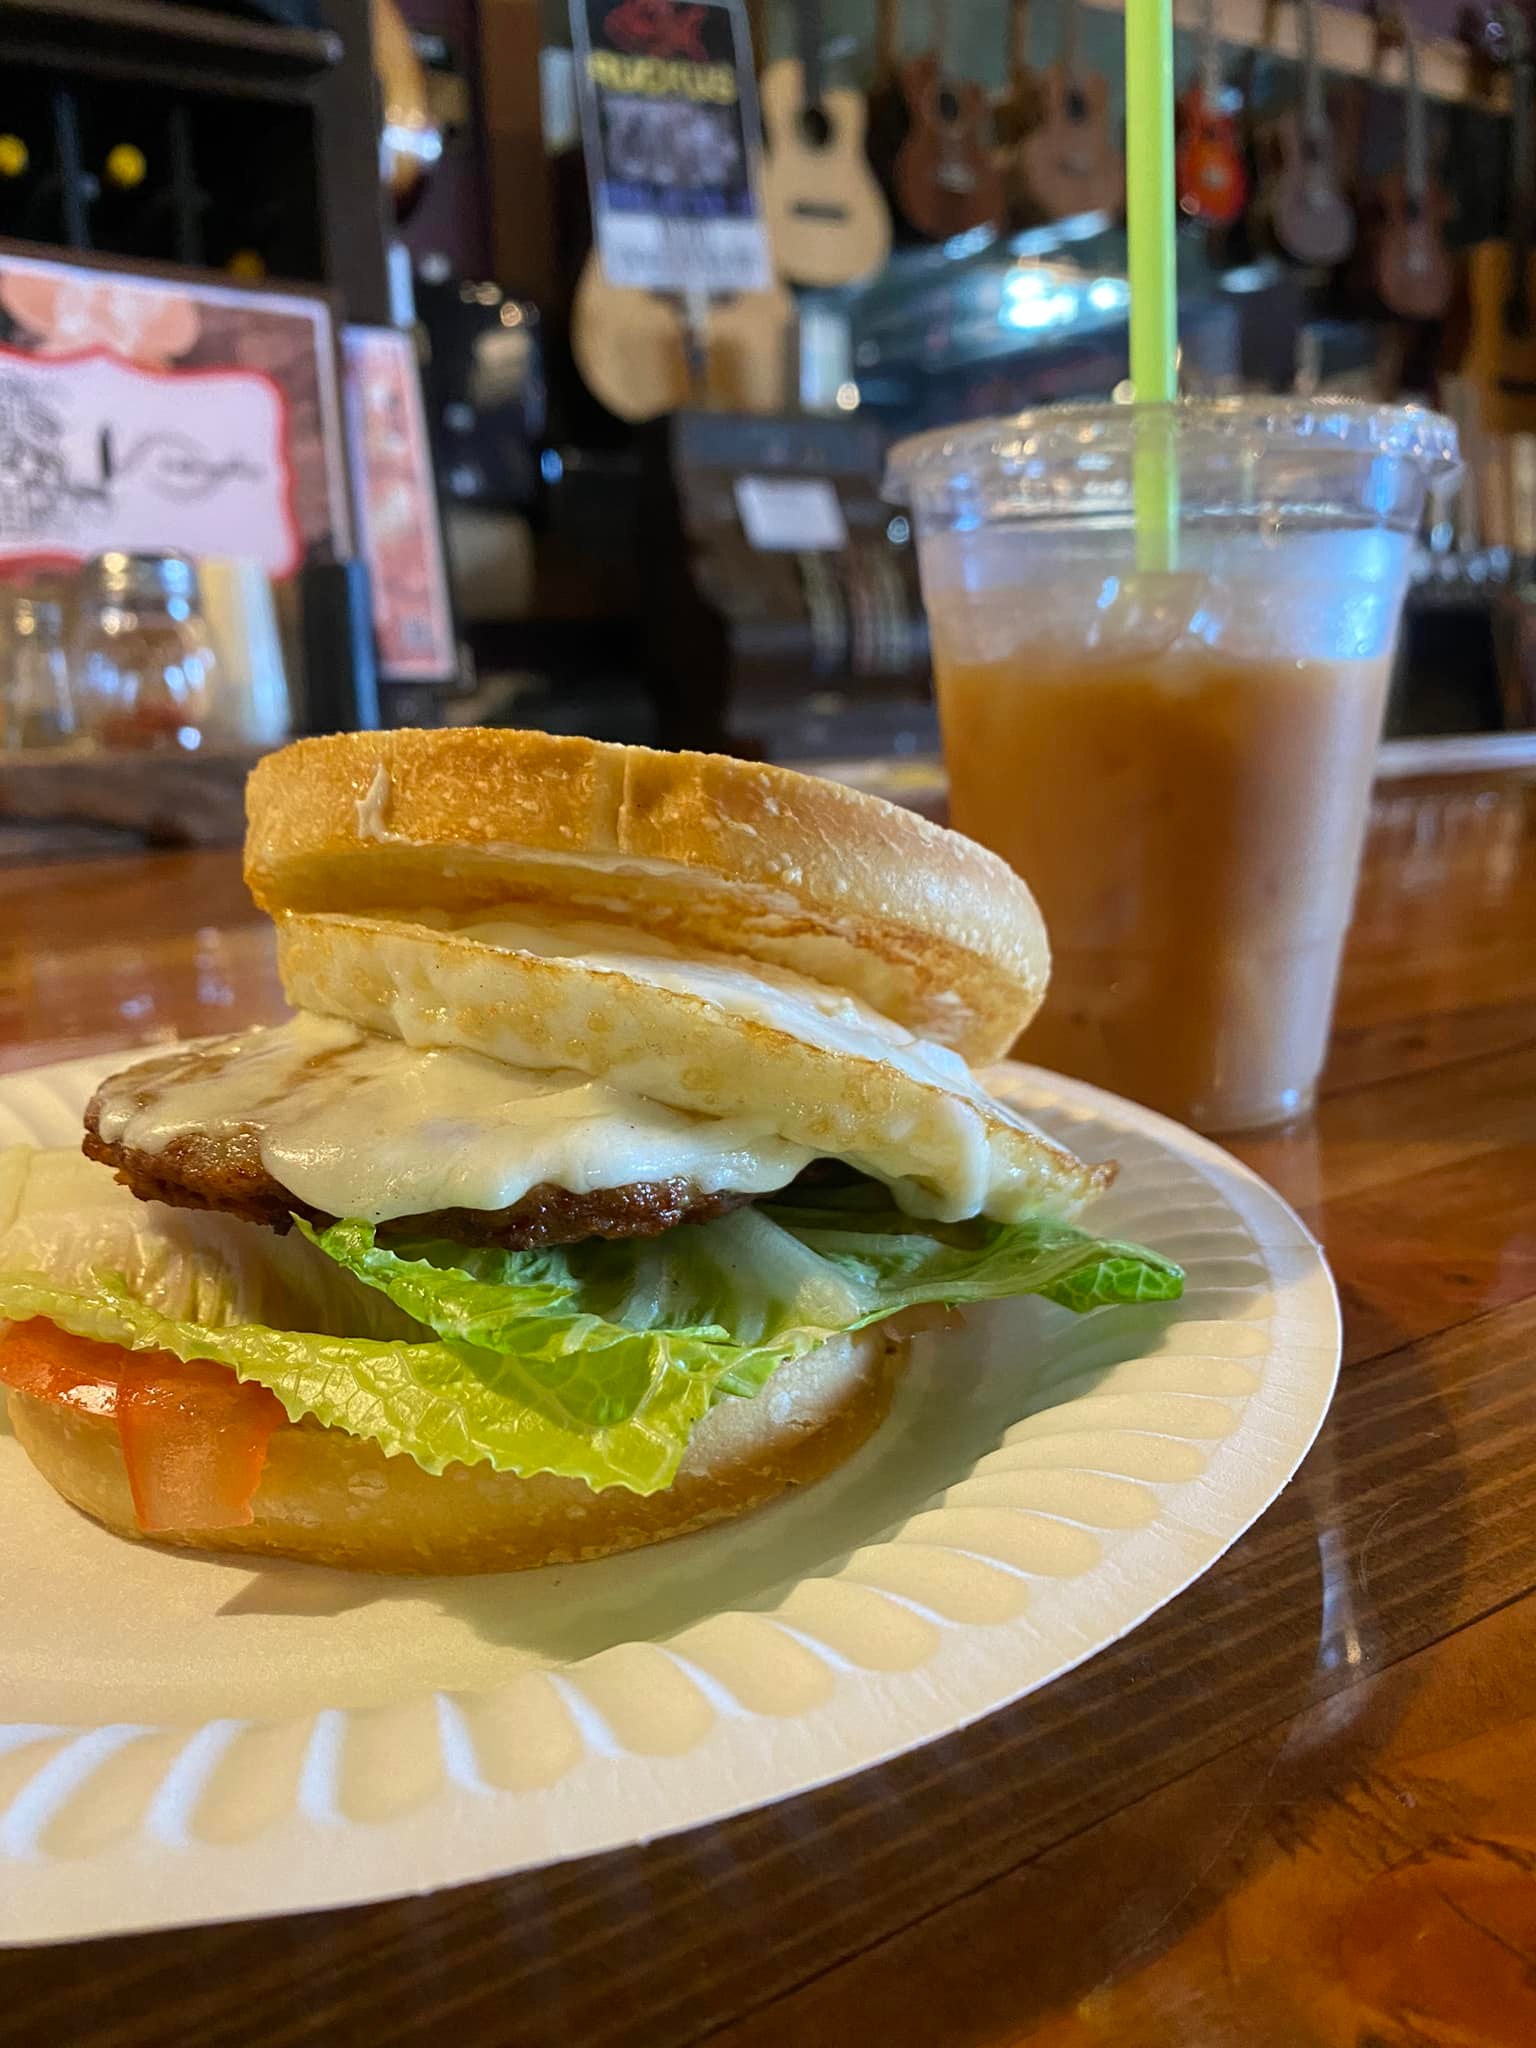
(1411, 266)
(946, 182)
(1069, 163)
(1500, 354)
(827, 218)
(644, 353)
(1209, 172)
(1308, 214)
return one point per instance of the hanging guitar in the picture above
(1209, 173)
(827, 219)
(945, 179)
(1068, 164)
(1499, 358)
(410, 137)
(644, 353)
(1311, 219)
(1412, 267)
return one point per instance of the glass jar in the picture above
(36, 705)
(143, 661)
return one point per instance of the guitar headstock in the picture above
(1390, 24)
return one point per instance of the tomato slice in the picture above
(38, 1358)
(194, 1437)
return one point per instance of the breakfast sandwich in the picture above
(626, 1129)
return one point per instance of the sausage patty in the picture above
(206, 1170)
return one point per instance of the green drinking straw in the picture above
(1150, 217)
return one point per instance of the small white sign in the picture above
(96, 452)
(784, 514)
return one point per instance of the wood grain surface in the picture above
(1296, 1809)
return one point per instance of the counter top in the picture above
(1296, 1809)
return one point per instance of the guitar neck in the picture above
(1314, 118)
(887, 41)
(1522, 189)
(1018, 40)
(1071, 28)
(808, 41)
(1516, 311)
(943, 27)
(1415, 128)
(1210, 55)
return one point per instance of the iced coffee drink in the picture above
(1175, 752)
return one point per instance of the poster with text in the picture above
(669, 124)
(397, 507)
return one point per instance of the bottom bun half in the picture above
(329, 1498)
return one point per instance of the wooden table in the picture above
(1296, 1808)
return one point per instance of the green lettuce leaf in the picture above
(594, 1361)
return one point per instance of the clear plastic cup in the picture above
(1174, 744)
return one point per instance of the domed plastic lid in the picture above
(981, 455)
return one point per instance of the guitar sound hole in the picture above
(1077, 107)
(815, 128)
(948, 106)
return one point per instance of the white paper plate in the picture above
(184, 1739)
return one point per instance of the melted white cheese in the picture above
(972, 1176)
(360, 1125)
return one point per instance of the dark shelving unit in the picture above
(248, 112)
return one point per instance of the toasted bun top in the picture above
(735, 856)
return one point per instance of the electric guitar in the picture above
(1209, 172)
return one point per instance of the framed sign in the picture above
(669, 126)
(400, 533)
(155, 414)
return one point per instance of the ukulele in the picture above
(644, 353)
(946, 181)
(1209, 171)
(1412, 268)
(1069, 164)
(1308, 213)
(826, 218)
(1500, 354)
